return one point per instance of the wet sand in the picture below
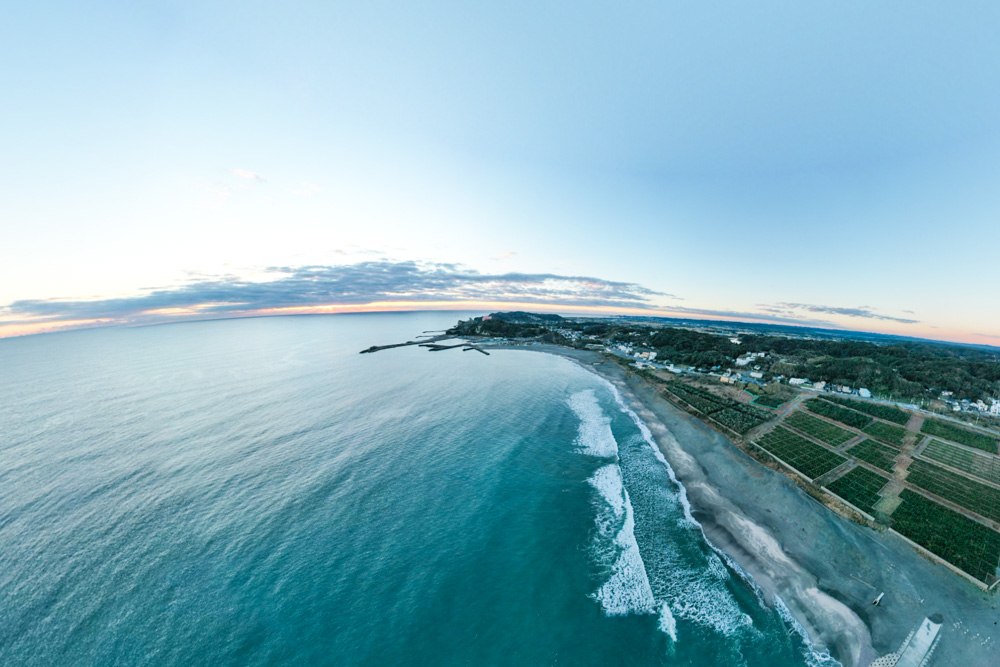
(825, 568)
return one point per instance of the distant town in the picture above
(941, 378)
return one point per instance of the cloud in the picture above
(499, 257)
(248, 175)
(355, 284)
(861, 311)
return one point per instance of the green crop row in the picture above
(837, 413)
(859, 487)
(948, 431)
(807, 457)
(886, 412)
(889, 433)
(874, 453)
(983, 466)
(970, 494)
(957, 539)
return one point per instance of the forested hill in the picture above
(902, 368)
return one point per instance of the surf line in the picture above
(812, 654)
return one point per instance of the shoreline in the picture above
(824, 568)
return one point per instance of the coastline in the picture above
(825, 569)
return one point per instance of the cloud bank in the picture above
(352, 285)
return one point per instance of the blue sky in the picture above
(826, 163)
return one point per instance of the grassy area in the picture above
(889, 433)
(959, 540)
(983, 466)
(823, 431)
(807, 457)
(886, 412)
(874, 453)
(770, 401)
(948, 431)
(837, 413)
(970, 494)
(859, 487)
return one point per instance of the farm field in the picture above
(982, 466)
(956, 434)
(874, 453)
(957, 539)
(741, 418)
(889, 433)
(837, 413)
(970, 494)
(699, 399)
(859, 487)
(823, 431)
(886, 412)
(810, 459)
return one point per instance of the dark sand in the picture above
(825, 568)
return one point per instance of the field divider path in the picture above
(836, 473)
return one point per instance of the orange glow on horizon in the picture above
(195, 312)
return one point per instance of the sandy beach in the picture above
(825, 568)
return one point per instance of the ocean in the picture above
(255, 492)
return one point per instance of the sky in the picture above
(824, 164)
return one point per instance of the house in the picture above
(821, 385)
(864, 393)
(795, 382)
(756, 375)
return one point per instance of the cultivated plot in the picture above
(889, 433)
(807, 457)
(974, 496)
(859, 487)
(964, 543)
(976, 439)
(822, 430)
(837, 413)
(983, 466)
(875, 454)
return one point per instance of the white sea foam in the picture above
(668, 623)
(595, 437)
(627, 590)
(814, 658)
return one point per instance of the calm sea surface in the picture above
(255, 492)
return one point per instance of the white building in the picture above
(821, 385)
(797, 381)
(864, 393)
(756, 375)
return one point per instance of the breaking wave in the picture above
(595, 437)
(627, 590)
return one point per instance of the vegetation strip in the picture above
(886, 412)
(983, 466)
(966, 544)
(955, 434)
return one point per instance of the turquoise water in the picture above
(254, 492)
